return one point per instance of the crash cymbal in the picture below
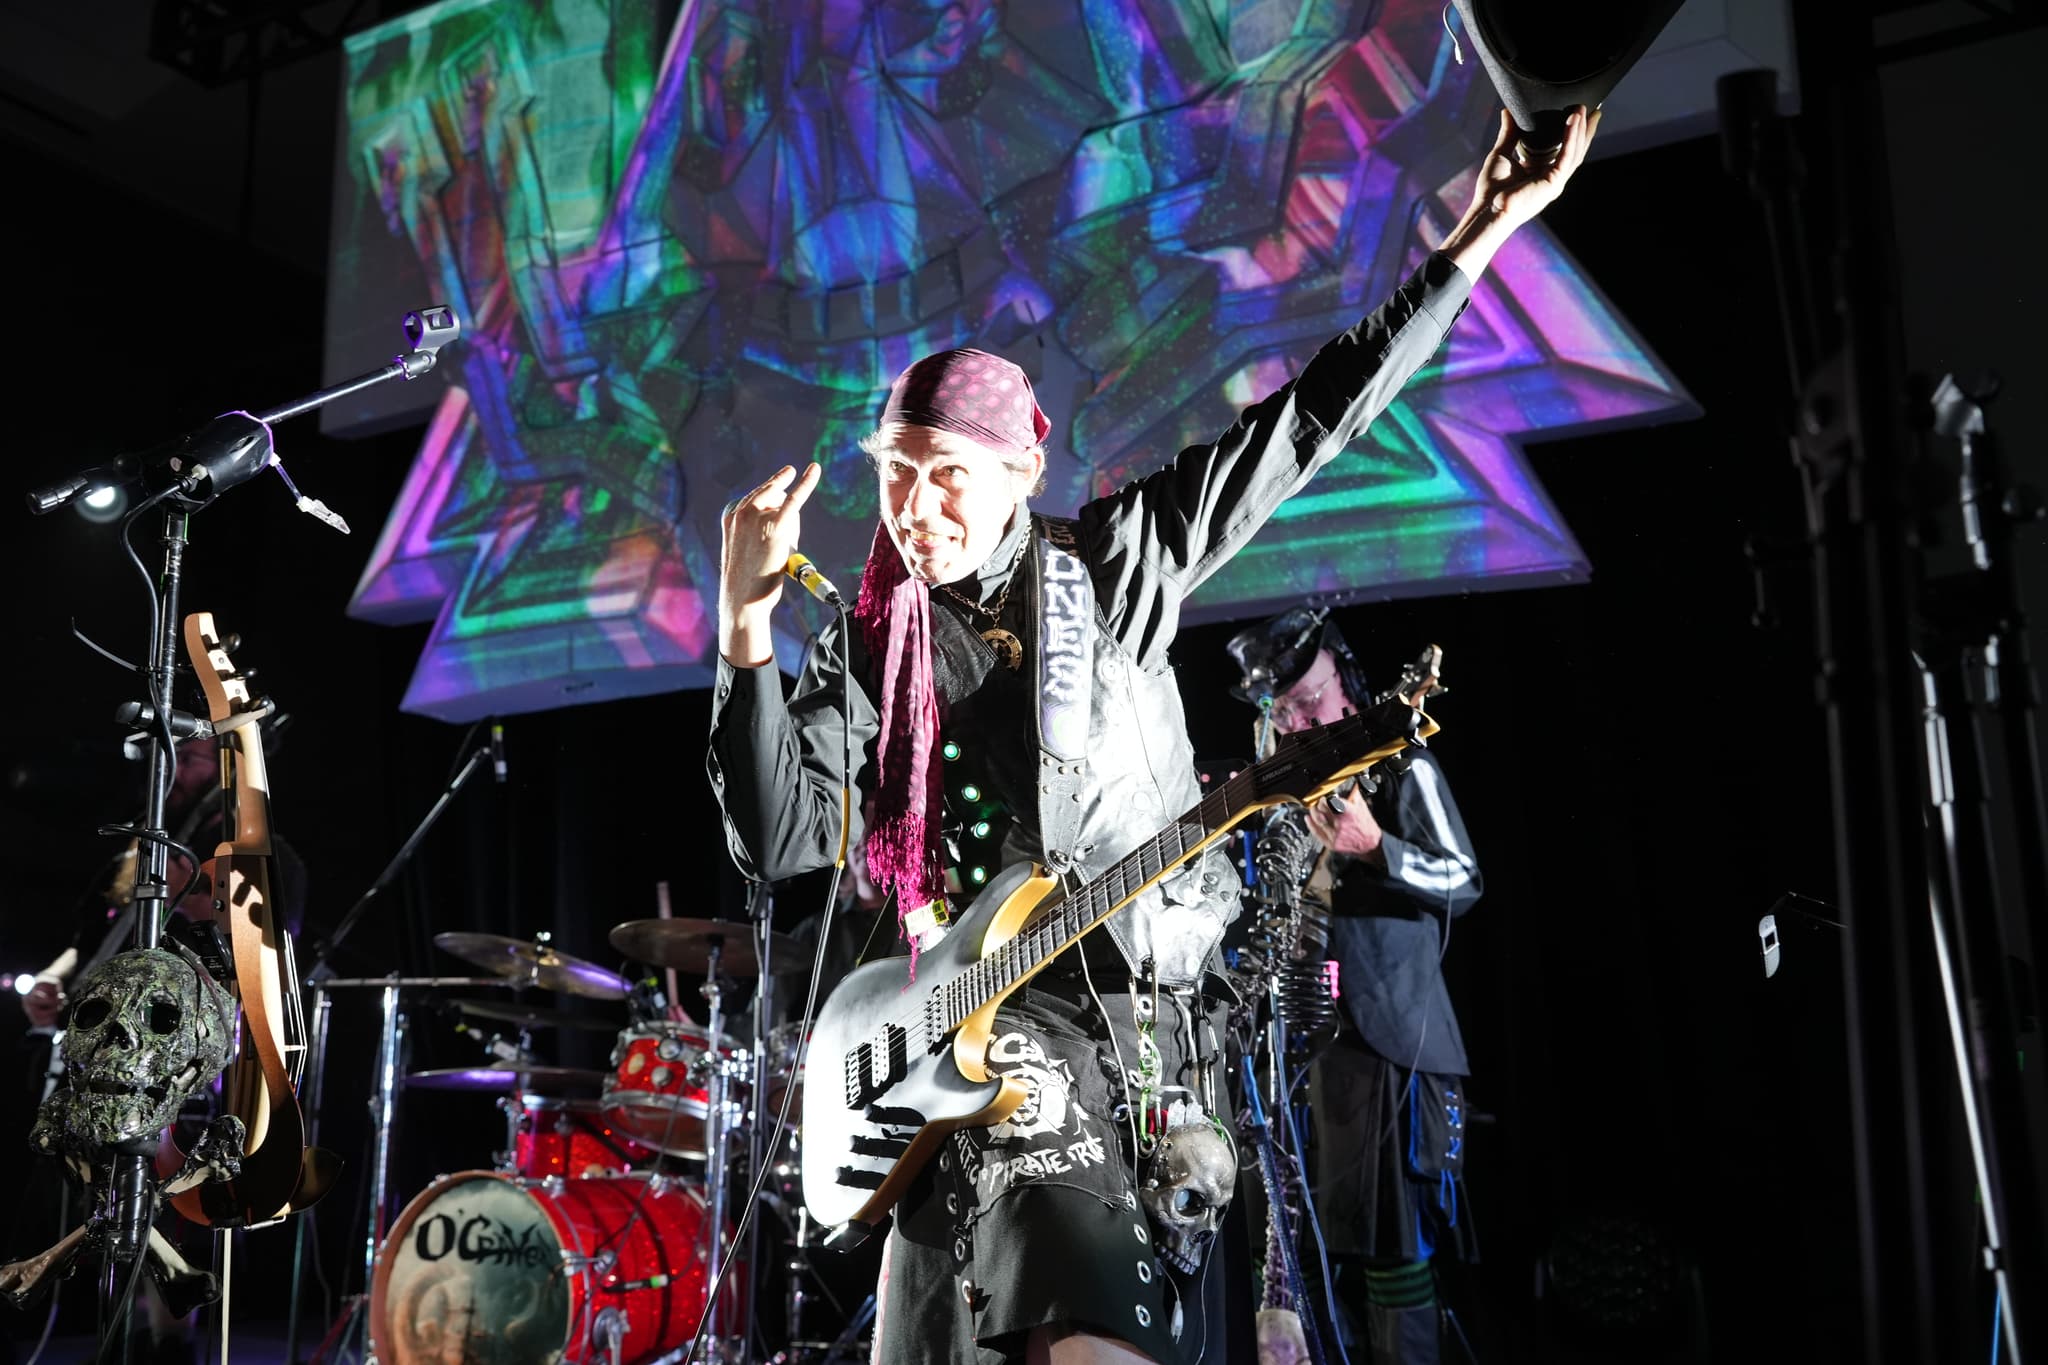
(538, 963)
(546, 1080)
(685, 944)
(533, 1018)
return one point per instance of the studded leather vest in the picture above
(1136, 774)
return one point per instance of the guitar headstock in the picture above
(1421, 678)
(1312, 763)
(236, 712)
(228, 694)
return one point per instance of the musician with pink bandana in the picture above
(1011, 699)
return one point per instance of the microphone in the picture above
(816, 584)
(497, 751)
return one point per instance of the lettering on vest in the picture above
(1063, 654)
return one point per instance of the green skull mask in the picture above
(146, 1029)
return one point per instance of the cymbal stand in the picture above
(760, 913)
(383, 1109)
(383, 1117)
(797, 1268)
(309, 1098)
(716, 1153)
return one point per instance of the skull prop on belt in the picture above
(1186, 1191)
(146, 1029)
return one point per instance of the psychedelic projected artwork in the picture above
(691, 242)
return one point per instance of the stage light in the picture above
(23, 982)
(102, 504)
(1543, 59)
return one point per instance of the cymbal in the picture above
(551, 1080)
(537, 963)
(685, 944)
(533, 1018)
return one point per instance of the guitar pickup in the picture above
(876, 1064)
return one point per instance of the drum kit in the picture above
(603, 1221)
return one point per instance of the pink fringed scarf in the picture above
(989, 400)
(895, 615)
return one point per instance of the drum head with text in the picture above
(472, 1273)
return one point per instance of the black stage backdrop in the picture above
(1641, 768)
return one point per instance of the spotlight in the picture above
(103, 504)
(22, 982)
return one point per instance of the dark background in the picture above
(1642, 769)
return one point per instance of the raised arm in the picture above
(1510, 192)
(776, 765)
(1156, 539)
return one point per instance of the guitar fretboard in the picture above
(1045, 938)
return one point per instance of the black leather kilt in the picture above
(1036, 1221)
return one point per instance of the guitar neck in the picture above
(1058, 928)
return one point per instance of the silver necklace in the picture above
(1008, 648)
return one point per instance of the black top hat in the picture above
(1274, 655)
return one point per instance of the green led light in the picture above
(980, 830)
(977, 875)
(970, 792)
(950, 750)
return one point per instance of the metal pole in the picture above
(384, 1115)
(134, 1187)
(715, 1156)
(761, 911)
(1949, 774)
(309, 1098)
(1855, 461)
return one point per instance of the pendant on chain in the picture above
(1009, 650)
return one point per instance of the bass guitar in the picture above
(280, 1173)
(898, 1065)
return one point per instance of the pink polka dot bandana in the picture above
(970, 393)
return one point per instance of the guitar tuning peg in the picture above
(230, 643)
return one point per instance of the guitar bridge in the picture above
(876, 1064)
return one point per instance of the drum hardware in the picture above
(384, 1080)
(484, 1265)
(529, 1017)
(535, 963)
(608, 1333)
(715, 1127)
(539, 1078)
(688, 944)
(659, 1089)
(760, 914)
(546, 1135)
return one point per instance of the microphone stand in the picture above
(320, 978)
(1911, 663)
(398, 861)
(186, 475)
(133, 1176)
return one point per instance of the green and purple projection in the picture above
(691, 243)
